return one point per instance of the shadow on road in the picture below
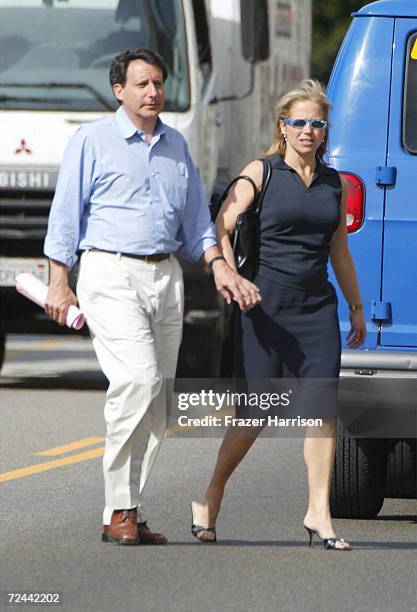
(79, 381)
(298, 544)
(410, 518)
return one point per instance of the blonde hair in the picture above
(309, 90)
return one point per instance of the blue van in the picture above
(373, 143)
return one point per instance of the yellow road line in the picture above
(41, 345)
(37, 468)
(44, 344)
(65, 448)
(51, 465)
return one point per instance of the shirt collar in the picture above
(280, 164)
(128, 129)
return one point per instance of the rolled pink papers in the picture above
(35, 290)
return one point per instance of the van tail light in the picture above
(355, 202)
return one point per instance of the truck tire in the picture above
(401, 471)
(199, 355)
(2, 349)
(359, 474)
(227, 360)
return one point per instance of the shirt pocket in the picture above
(174, 186)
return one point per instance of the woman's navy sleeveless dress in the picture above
(294, 331)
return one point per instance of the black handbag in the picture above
(246, 235)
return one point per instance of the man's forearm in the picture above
(58, 274)
(60, 297)
(211, 252)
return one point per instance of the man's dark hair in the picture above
(119, 66)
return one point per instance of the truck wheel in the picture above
(359, 474)
(199, 353)
(401, 471)
(228, 334)
(2, 349)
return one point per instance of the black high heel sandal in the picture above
(328, 543)
(196, 529)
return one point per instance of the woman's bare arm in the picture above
(239, 199)
(344, 268)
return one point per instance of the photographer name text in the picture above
(231, 421)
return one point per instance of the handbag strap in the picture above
(266, 177)
(237, 178)
(258, 196)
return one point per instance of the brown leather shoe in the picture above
(146, 536)
(123, 528)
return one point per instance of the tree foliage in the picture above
(331, 19)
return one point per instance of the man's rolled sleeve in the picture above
(197, 232)
(72, 194)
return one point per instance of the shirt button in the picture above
(154, 173)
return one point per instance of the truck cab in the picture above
(228, 61)
(373, 143)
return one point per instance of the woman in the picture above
(294, 331)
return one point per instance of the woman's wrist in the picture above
(355, 307)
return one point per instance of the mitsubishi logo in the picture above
(23, 148)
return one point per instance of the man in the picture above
(128, 196)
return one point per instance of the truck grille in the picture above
(24, 214)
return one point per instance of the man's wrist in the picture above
(213, 260)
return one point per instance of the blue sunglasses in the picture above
(317, 124)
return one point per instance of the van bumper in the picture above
(379, 364)
(378, 394)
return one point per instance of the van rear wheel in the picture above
(401, 471)
(359, 475)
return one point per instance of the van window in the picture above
(410, 97)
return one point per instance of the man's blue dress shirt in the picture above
(116, 192)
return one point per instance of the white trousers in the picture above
(134, 311)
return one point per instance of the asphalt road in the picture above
(50, 513)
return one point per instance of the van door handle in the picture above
(381, 311)
(385, 175)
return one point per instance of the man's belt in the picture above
(155, 258)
